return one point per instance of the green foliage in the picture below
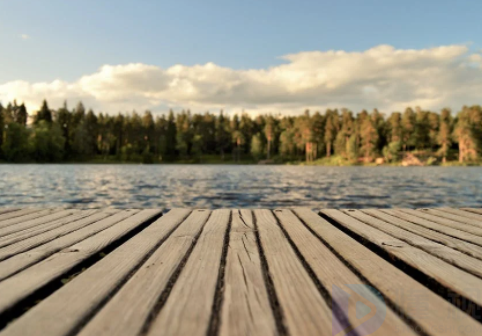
(391, 152)
(47, 142)
(15, 146)
(257, 148)
(80, 135)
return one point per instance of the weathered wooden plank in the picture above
(474, 210)
(21, 226)
(21, 261)
(455, 243)
(331, 272)
(28, 215)
(64, 312)
(431, 313)
(27, 233)
(463, 213)
(67, 225)
(188, 308)
(17, 213)
(6, 210)
(138, 297)
(459, 259)
(458, 215)
(23, 284)
(435, 226)
(304, 310)
(246, 309)
(447, 222)
(449, 276)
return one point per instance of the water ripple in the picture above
(169, 186)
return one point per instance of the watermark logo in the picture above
(357, 310)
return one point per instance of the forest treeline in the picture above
(77, 135)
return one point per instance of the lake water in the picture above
(168, 186)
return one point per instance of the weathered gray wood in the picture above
(331, 272)
(435, 226)
(447, 222)
(410, 297)
(474, 210)
(455, 243)
(304, 309)
(188, 308)
(29, 215)
(67, 225)
(23, 284)
(467, 263)
(36, 230)
(129, 309)
(246, 309)
(449, 276)
(21, 261)
(63, 312)
(6, 210)
(458, 215)
(18, 213)
(463, 213)
(54, 215)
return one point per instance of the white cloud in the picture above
(24, 37)
(383, 77)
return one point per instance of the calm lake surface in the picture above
(168, 186)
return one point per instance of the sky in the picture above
(257, 56)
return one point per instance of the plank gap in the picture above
(215, 320)
(121, 283)
(465, 304)
(268, 281)
(161, 301)
(390, 303)
(25, 304)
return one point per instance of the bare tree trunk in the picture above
(269, 147)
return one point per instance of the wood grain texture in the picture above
(129, 309)
(64, 311)
(37, 230)
(23, 284)
(455, 243)
(52, 216)
(304, 309)
(462, 213)
(29, 216)
(459, 259)
(449, 276)
(188, 308)
(6, 210)
(331, 272)
(21, 261)
(457, 215)
(18, 213)
(435, 226)
(433, 314)
(474, 210)
(447, 222)
(67, 225)
(246, 309)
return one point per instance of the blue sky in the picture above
(69, 39)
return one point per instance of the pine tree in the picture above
(444, 137)
(331, 130)
(469, 134)
(408, 129)
(21, 115)
(44, 113)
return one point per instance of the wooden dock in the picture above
(67, 272)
